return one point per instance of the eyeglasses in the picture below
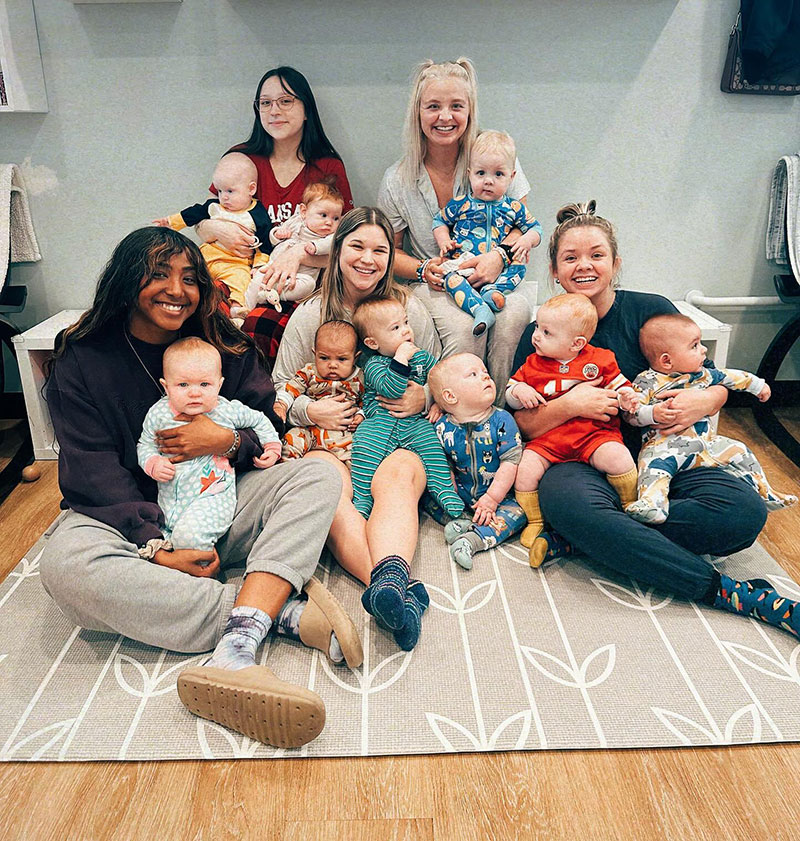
(284, 103)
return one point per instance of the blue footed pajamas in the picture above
(476, 451)
(478, 226)
(381, 434)
(662, 456)
(200, 500)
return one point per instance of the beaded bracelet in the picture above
(237, 439)
(501, 250)
(421, 270)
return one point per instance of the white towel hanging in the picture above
(783, 224)
(17, 236)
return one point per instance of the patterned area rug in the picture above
(568, 656)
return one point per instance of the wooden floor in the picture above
(703, 793)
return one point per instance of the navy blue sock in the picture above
(416, 603)
(385, 597)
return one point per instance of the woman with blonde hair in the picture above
(441, 126)
(378, 551)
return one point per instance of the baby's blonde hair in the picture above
(498, 142)
(367, 313)
(657, 334)
(190, 349)
(237, 164)
(578, 309)
(441, 372)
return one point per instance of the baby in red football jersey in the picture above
(561, 359)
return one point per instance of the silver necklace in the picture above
(153, 379)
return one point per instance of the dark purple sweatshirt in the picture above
(98, 395)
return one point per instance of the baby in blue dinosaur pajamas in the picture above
(480, 222)
(198, 496)
(484, 447)
(671, 344)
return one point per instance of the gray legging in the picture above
(99, 581)
(496, 346)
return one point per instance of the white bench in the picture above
(35, 346)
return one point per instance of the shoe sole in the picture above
(275, 712)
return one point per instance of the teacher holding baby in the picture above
(441, 126)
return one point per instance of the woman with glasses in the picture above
(290, 150)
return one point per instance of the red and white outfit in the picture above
(578, 438)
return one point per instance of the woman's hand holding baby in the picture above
(200, 436)
(332, 412)
(282, 270)
(200, 564)
(231, 236)
(487, 268)
(411, 403)
(692, 404)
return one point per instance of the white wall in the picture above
(616, 100)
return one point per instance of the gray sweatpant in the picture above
(99, 581)
(496, 346)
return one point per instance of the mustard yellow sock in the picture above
(625, 484)
(529, 502)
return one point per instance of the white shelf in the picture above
(20, 60)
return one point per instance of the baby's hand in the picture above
(160, 468)
(280, 410)
(663, 413)
(311, 248)
(447, 247)
(163, 222)
(485, 508)
(355, 422)
(434, 413)
(629, 401)
(405, 352)
(522, 247)
(528, 396)
(282, 232)
(764, 394)
(266, 459)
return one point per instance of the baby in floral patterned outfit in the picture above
(198, 496)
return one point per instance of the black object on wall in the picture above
(764, 49)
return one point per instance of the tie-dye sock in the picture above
(246, 629)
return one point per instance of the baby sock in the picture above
(529, 503)
(287, 624)
(625, 484)
(758, 598)
(415, 604)
(462, 550)
(455, 528)
(246, 629)
(385, 597)
(548, 546)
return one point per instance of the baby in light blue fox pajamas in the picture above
(672, 345)
(198, 496)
